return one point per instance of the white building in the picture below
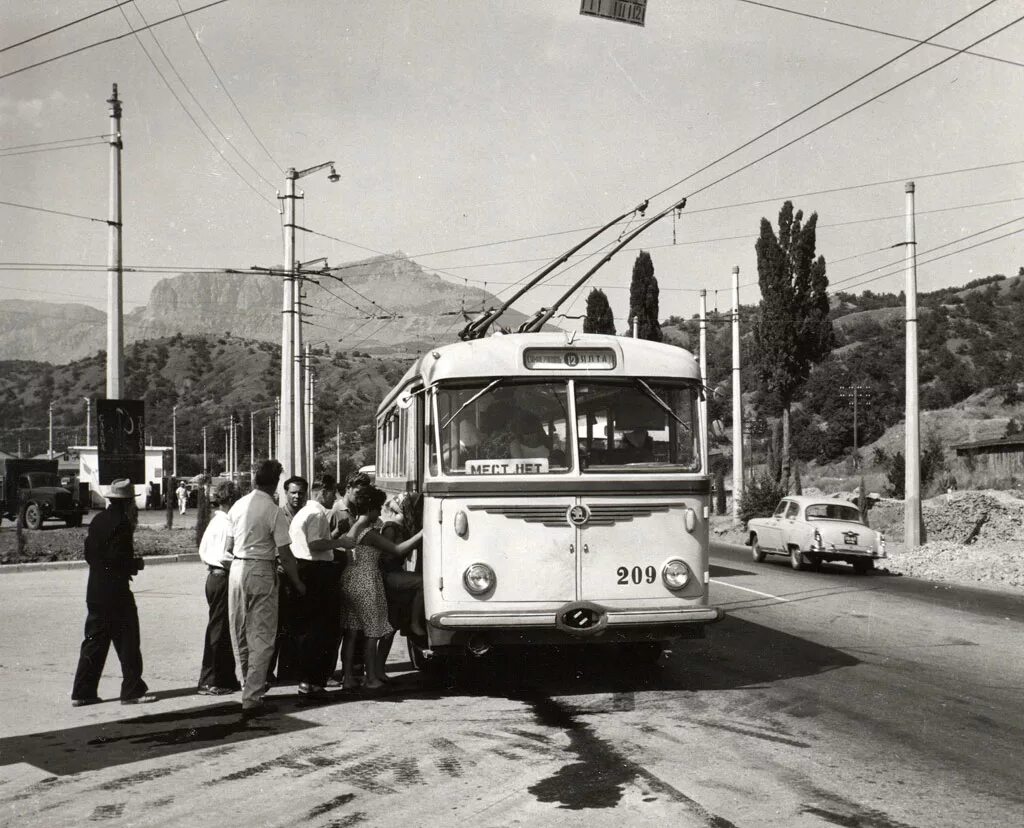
(89, 472)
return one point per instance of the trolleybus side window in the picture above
(493, 427)
(634, 425)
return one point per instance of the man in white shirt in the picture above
(217, 677)
(319, 616)
(260, 538)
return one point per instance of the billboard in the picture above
(121, 440)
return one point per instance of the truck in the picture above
(32, 489)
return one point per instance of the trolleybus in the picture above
(564, 489)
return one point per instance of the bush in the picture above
(761, 497)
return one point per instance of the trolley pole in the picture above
(115, 290)
(737, 400)
(912, 477)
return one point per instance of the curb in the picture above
(151, 560)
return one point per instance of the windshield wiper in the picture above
(471, 400)
(665, 406)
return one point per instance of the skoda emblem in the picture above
(572, 359)
(578, 515)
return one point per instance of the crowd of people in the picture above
(290, 588)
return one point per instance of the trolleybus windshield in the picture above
(492, 428)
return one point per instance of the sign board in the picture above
(574, 359)
(625, 11)
(524, 465)
(121, 442)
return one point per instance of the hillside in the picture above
(416, 308)
(208, 379)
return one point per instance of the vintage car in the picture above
(810, 530)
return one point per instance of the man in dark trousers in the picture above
(112, 616)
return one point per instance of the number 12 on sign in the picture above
(625, 11)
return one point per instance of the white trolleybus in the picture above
(565, 499)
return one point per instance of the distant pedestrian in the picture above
(112, 615)
(182, 494)
(260, 533)
(318, 616)
(217, 677)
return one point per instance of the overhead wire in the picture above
(64, 26)
(53, 212)
(876, 31)
(224, 88)
(110, 39)
(60, 141)
(191, 117)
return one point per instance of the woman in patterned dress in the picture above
(365, 605)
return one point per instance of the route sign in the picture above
(122, 440)
(625, 11)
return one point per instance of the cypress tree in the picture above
(599, 318)
(643, 298)
(791, 330)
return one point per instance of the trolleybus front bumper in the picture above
(580, 620)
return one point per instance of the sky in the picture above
(482, 139)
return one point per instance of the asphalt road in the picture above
(825, 698)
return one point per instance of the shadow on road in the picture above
(736, 654)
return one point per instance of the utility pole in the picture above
(252, 449)
(174, 441)
(308, 372)
(704, 425)
(737, 400)
(115, 290)
(856, 393)
(291, 443)
(206, 467)
(912, 533)
(337, 453)
(88, 420)
(227, 452)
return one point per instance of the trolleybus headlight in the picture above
(676, 574)
(461, 524)
(479, 578)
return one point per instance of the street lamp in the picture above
(291, 451)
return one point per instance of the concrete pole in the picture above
(308, 424)
(912, 477)
(337, 453)
(286, 444)
(227, 452)
(115, 290)
(270, 435)
(299, 387)
(49, 451)
(252, 449)
(88, 420)
(206, 467)
(737, 400)
(174, 441)
(704, 425)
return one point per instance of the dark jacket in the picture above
(110, 552)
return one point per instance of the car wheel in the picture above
(796, 558)
(756, 552)
(862, 566)
(33, 516)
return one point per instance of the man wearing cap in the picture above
(112, 615)
(260, 539)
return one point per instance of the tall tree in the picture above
(599, 318)
(792, 329)
(643, 298)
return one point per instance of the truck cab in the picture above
(32, 490)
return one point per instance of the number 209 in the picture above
(636, 575)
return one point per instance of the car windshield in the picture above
(832, 511)
(495, 427)
(39, 480)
